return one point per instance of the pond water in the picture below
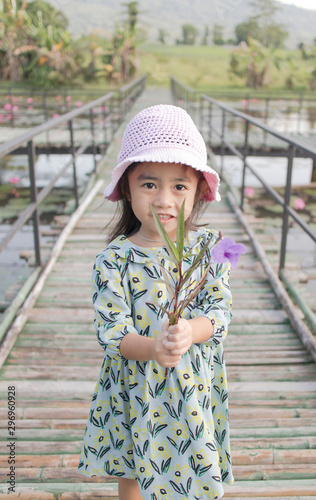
(46, 167)
(300, 247)
(273, 170)
(14, 269)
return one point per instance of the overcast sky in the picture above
(305, 4)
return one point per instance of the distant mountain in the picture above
(85, 15)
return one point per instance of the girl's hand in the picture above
(161, 353)
(179, 338)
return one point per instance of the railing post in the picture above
(222, 137)
(201, 115)
(287, 198)
(72, 148)
(266, 116)
(46, 116)
(12, 106)
(104, 127)
(299, 118)
(112, 111)
(33, 193)
(244, 165)
(93, 139)
(210, 115)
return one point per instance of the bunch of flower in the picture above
(224, 249)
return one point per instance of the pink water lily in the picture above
(249, 192)
(299, 204)
(227, 250)
(29, 100)
(15, 193)
(14, 180)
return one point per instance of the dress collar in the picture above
(124, 249)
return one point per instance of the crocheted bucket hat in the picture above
(166, 134)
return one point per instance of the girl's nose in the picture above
(163, 198)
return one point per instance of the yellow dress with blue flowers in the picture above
(170, 433)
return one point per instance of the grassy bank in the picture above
(208, 68)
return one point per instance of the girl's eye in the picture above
(180, 187)
(149, 185)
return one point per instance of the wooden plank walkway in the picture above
(56, 359)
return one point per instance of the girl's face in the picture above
(164, 186)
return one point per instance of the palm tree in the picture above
(124, 44)
(254, 62)
(14, 24)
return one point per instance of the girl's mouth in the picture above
(165, 217)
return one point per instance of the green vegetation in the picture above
(262, 26)
(208, 68)
(37, 50)
(35, 47)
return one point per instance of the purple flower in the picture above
(227, 249)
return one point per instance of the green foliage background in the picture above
(208, 67)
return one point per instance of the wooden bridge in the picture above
(51, 360)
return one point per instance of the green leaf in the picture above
(180, 231)
(172, 250)
(166, 279)
(197, 260)
(194, 292)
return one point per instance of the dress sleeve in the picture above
(112, 314)
(214, 301)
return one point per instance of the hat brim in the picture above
(185, 157)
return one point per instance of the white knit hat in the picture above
(165, 134)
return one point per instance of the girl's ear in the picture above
(123, 187)
(202, 189)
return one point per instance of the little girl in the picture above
(163, 433)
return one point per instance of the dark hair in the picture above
(124, 219)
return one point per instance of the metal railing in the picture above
(20, 107)
(206, 105)
(111, 117)
(37, 106)
(296, 114)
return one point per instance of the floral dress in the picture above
(171, 433)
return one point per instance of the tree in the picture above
(189, 34)
(123, 45)
(270, 34)
(14, 37)
(204, 40)
(247, 29)
(276, 35)
(50, 15)
(306, 54)
(162, 35)
(218, 34)
(312, 83)
(132, 16)
(254, 63)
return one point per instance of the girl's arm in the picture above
(214, 302)
(112, 315)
